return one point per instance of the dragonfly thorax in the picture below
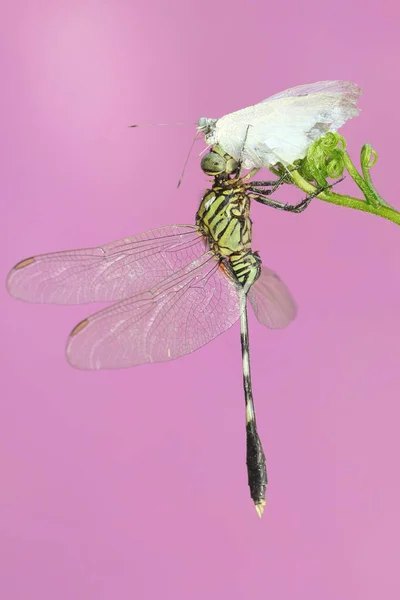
(224, 220)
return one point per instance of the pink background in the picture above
(109, 483)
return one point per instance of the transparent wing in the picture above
(283, 127)
(271, 300)
(176, 317)
(110, 272)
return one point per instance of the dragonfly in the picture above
(173, 289)
(283, 126)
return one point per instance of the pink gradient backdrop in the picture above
(109, 483)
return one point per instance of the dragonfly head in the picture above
(217, 162)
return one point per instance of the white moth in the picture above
(281, 128)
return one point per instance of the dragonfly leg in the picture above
(251, 174)
(274, 185)
(295, 208)
(240, 161)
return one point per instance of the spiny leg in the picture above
(294, 208)
(255, 457)
(274, 185)
(240, 161)
(249, 175)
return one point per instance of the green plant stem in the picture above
(348, 163)
(368, 160)
(344, 200)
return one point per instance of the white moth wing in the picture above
(283, 126)
(332, 88)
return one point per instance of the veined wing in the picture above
(271, 300)
(110, 272)
(178, 316)
(283, 126)
(339, 88)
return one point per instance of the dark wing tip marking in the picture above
(79, 327)
(24, 263)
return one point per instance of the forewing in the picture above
(332, 88)
(283, 127)
(271, 300)
(107, 273)
(178, 316)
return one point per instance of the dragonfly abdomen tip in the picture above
(260, 508)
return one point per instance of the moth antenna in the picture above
(196, 137)
(204, 150)
(158, 124)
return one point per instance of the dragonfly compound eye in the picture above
(213, 164)
(231, 165)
